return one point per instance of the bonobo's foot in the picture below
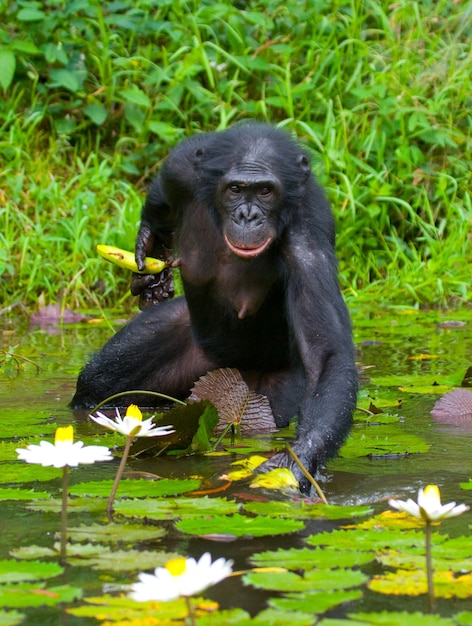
(153, 288)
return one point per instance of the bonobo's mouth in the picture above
(247, 251)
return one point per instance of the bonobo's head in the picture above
(260, 174)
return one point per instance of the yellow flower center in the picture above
(134, 412)
(176, 566)
(63, 434)
(432, 495)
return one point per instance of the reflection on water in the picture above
(399, 352)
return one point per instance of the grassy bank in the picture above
(93, 96)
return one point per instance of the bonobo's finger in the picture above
(143, 245)
(152, 288)
(141, 282)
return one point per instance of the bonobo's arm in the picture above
(170, 192)
(155, 238)
(321, 330)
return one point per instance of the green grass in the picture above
(95, 94)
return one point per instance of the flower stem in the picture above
(191, 612)
(65, 490)
(429, 568)
(119, 474)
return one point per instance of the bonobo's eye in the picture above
(234, 189)
(264, 191)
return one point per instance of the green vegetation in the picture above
(94, 94)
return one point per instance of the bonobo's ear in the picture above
(304, 164)
(199, 152)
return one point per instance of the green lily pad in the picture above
(20, 472)
(313, 580)
(304, 510)
(11, 618)
(22, 494)
(138, 488)
(115, 533)
(238, 526)
(381, 441)
(401, 619)
(414, 583)
(314, 602)
(180, 507)
(371, 540)
(15, 596)
(12, 571)
(308, 558)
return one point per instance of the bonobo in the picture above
(253, 236)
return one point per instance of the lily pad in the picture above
(401, 619)
(179, 507)
(32, 595)
(303, 510)
(12, 571)
(308, 558)
(11, 618)
(115, 533)
(238, 525)
(138, 488)
(314, 602)
(313, 580)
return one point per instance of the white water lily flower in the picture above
(63, 451)
(132, 424)
(180, 577)
(429, 507)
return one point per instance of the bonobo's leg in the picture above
(155, 351)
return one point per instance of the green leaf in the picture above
(97, 113)
(112, 533)
(304, 510)
(181, 507)
(30, 15)
(11, 618)
(65, 78)
(314, 602)
(16, 596)
(138, 488)
(238, 526)
(7, 68)
(23, 494)
(401, 619)
(313, 580)
(12, 571)
(136, 96)
(308, 558)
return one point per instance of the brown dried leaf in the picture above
(454, 407)
(235, 403)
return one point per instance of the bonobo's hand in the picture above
(151, 288)
(284, 459)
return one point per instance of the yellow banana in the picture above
(125, 259)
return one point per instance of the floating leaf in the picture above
(138, 488)
(181, 507)
(280, 478)
(414, 583)
(314, 602)
(16, 596)
(371, 540)
(400, 619)
(113, 533)
(307, 558)
(26, 473)
(277, 617)
(11, 618)
(22, 494)
(236, 404)
(313, 580)
(381, 441)
(239, 526)
(12, 571)
(306, 510)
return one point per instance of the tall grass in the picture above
(94, 94)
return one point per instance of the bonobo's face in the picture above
(248, 200)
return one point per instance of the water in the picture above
(403, 355)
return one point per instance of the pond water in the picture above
(407, 358)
